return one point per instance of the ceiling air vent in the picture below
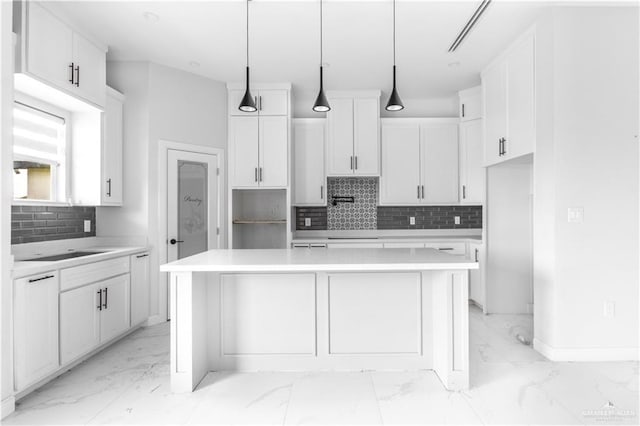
(469, 25)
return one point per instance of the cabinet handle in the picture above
(109, 187)
(46, 277)
(142, 255)
(476, 255)
(71, 69)
(255, 101)
(445, 248)
(260, 175)
(322, 192)
(105, 298)
(418, 192)
(77, 75)
(356, 157)
(100, 300)
(464, 192)
(504, 146)
(500, 147)
(352, 162)
(255, 174)
(462, 110)
(423, 192)
(260, 102)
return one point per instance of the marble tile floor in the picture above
(128, 383)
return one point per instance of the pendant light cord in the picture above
(247, 32)
(320, 32)
(394, 33)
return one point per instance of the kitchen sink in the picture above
(63, 256)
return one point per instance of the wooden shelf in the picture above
(258, 221)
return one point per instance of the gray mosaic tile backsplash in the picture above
(362, 213)
(31, 224)
(429, 217)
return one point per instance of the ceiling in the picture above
(284, 39)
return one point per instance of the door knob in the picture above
(173, 241)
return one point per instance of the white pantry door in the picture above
(192, 203)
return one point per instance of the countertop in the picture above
(22, 268)
(335, 260)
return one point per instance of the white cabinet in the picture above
(115, 313)
(308, 162)
(472, 171)
(112, 149)
(268, 102)
(470, 104)
(354, 245)
(420, 161)
(353, 123)
(52, 52)
(35, 328)
(140, 287)
(476, 276)
(79, 322)
(509, 103)
(259, 150)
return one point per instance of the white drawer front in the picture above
(92, 272)
(451, 248)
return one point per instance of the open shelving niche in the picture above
(259, 219)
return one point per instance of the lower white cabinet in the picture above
(476, 276)
(35, 328)
(139, 288)
(91, 315)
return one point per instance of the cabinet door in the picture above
(439, 143)
(112, 152)
(49, 47)
(308, 164)
(400, 178)
(521, 100)
(472, 171)
(79, 322)
(340, 141)
(90, 72)
(35, 328)
(234, 97)
(115, 314)
(471, 107)
(476, 281)
(139, 288)
(366, 136)
(243, 136)
(495, 111)
(273, 152)
(273, 102)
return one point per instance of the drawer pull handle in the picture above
(142, 255)
(46, 277)
(100, 299)
(446, 248)
(105, 298)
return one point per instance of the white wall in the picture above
(6, 188)
(162, 103)
(590, 148)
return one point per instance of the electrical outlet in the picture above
(575, 214)
(87, 226)
(412, 220)
(609, 309)
(456, 220)
(307, 221)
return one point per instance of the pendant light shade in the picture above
(248, 104)
(394, 103)
(321, 104)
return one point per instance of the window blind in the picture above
(38, 135)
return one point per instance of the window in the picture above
(39, 154)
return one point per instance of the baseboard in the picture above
(586, 354)
(8, 406)
(153, 320)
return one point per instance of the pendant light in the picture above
(321, 104)
(247, 104)
(395, 103)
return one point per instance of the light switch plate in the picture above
(307, 221)
(456, 220)
(412, 220)
(575, 214)
(87, 226)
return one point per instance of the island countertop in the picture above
(347, 259)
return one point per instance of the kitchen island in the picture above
(338, 309)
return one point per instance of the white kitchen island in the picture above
(319, 309)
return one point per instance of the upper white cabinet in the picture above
(268, 102)
(53, 53)
(35, 328)
(353, 145)
(472, 171)
(259, 142)
(419, 161)
(308, 162)
(470, 104)
(509, 103)
(112, 149)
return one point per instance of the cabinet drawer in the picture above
(451, 248)
(92, 272)
(354, 245)
(404, 245)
